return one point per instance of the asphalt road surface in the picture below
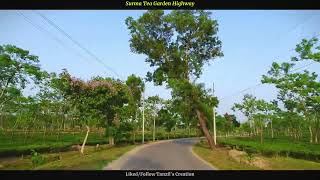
(166, 155)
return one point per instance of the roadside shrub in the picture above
(36, 158)
(249, 157)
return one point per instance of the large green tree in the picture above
(177, 45)
(18, 69)
(99, 101)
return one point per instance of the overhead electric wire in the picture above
(304, 21)
(95, 57)
(50, 35)
(259, 84)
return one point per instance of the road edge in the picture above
(201, 159)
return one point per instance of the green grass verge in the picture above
(72, 160)
(288, 163)
(274, 147)
(220, 158)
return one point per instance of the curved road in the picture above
(164, 155)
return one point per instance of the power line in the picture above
(76, 42)
(304, 21)
(259, 84)
(50, 35)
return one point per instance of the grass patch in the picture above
(93, 159)
(288, 163)
(219, 158)
(275, 147)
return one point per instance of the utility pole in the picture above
(154, 128)
(155, 111)
(214, 120)
(143, 117)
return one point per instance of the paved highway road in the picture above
(164, 155)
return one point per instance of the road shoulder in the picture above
(204, 161)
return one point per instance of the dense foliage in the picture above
(177, 45)
(36, 104)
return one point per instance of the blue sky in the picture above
(252, 40)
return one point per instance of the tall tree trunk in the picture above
(315, 135)
(44, 133)
(12, 134)
(85, 140)
(58, 134)
(64, 125)
(1, 120)
(13, 129)
(111, 140)
(203, 120)
(25, 135)
(311, 134)
(261, 134)
(134, 137)
(250, 126)
(271, 130)
(316, 130)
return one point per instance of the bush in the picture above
(249, 157)
(36, 158)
